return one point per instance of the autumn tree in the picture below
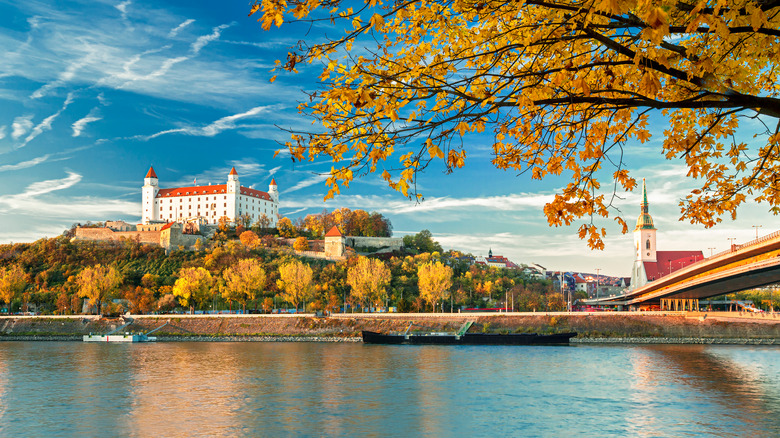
(435, 280)
(97, 283)
(285, 227)
(13, 281)
(295, 282)
(369, 279)
(301, 244)
(561, 87)
(193, 287)
(249, 239)
(243, 282)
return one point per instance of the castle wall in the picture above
(391, 243)
(148, 237)
(173, 238)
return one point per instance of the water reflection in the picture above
(739, 401)
(305, 389)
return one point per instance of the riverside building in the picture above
(207, 204)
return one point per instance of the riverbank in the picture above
(607, 327)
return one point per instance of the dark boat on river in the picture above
(462, 338)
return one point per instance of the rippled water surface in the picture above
(313, 389)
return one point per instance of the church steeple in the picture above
(644, 233)
(644, 221)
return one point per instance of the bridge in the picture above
(746, 266)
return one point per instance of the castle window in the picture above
(647, 245)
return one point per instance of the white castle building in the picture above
(207, 203)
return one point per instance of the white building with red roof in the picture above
(207, 203)
(649, 263)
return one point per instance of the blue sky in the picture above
(93, 92)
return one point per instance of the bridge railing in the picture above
(733, 248)
(761, 239)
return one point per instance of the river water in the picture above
(345, 389)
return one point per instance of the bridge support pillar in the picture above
(680, 304)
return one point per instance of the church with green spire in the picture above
(649, 263)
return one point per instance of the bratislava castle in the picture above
(207, 203)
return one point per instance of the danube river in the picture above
(346, 389)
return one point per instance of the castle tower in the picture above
(273, 190)
(232, 184)
(149, 197)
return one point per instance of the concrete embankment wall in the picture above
(659, 326)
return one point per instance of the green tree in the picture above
(563, 86)
(13, 281)
(97, 283)
(369, 279)
(243, 282)
(193, 287)
(422, 242)
(435, 280)
(295, 282)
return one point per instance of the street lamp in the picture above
(597, 282)
(712, 248)
(756, 227)
(731, 240)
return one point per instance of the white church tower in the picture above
(644, 243)
(149, 197)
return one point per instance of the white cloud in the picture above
(2, 132)
(212, 129)
(392, 203)
(20, 126)
(24, 164)
(48, 186)
(45, 124)
(78, 125)
(64, 77)
(203, 40)
(314, 179)
(122, 7)
(178, 28)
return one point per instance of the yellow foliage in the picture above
(368, 279)
(434, 281)
(565, 88)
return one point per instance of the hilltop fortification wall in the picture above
(148, 237)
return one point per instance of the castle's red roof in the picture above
(233, 171)
(670, 261)
(209, 190)
(150, 173)
(273, 181)
(334, 232)
(168, 225)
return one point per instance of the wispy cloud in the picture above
(122, 7)
(210, 130)
(314, 179)
(20, 126)
(202, 41)
(45, 124)
(175, 31)
(64, 77)
(78, 125)
(2, 132)
(48, 186)
(246, 167)
(24, 164)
